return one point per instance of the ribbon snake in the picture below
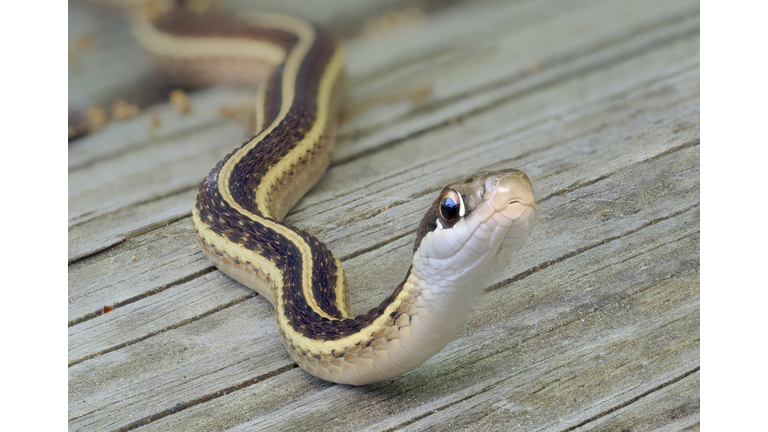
(468, 234)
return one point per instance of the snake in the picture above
(467, 236)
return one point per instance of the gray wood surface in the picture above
(595, 326)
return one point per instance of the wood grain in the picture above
(595, 326)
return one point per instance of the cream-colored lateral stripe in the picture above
(261, 100)
(342, 299)
(325, 347)
(273, 175)
(238, 251)
(185, 47)
(306, 37)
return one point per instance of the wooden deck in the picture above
(594, 327)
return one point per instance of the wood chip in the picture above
(122, 110)
(418, 94)
(393, 20)
(96, 118)
(180, 102)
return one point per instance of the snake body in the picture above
(470, 230)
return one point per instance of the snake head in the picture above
(475, 224)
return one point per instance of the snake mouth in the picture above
(531, 204)
(515, 212)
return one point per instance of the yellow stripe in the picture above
(241, 253)
(186, 47)
(272, 177)
(306, 38)
(325, 347)
(260, 108)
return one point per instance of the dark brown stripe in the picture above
(286, 257)
(273, 97)
(291, 130)
(181, 23)
(248, 173)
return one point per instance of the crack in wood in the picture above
(171, 327)
(77, 258)
(442, 408)
(642, 252)
(168, 194)
(561, 258)
(375, 246)
(153, 140)
(580, 184)
(143, 295)
(621, 55)
(205, 398)
(127, 236)
(633, 400)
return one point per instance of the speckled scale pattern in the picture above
(283, 139)
(239, 229)
(284, 254)
(270, 244)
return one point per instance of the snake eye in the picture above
(450, 207)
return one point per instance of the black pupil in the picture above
(449, 209)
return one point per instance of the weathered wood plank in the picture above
(549, 292)
(200, 358)
(148, 264)
(126, 136)
(594, 327)
(512, 376)
(150, 172)
(393, 183)
(98, 234)
(515, 62)
(674, 407)
(154, 314)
